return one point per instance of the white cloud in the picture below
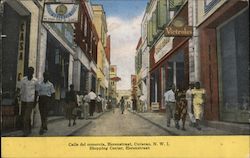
(124, 38)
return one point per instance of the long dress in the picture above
(198, 102)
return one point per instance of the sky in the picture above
(124, 25)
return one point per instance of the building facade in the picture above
(113, 84)
(67, 51)
(217, 53)
(224, 57)
(85, 60)
(168, 55)
(20, 21)
(102, 62)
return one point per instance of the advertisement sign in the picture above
(164, 45)
(179, 28)
(60, 13)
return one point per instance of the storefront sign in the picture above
(21, 48)
(60, 13)
(162, 47)
(179, 28)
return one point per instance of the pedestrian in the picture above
(92, 97)
(181, 107)
(143, 101)
(112, 104)
(134, 104)
(198, 95)
(71, 101)
(86, 101)
(18, 102)
(122, 104)
(46, 93)
(99, 103)
(170, 101)
(80, 108)
(28, 95)
(103, 109)
(190, 105)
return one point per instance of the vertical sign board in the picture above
(21, 48)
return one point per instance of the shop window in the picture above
(85, 27)
(175, 71)
(162, 12)
(234, 66)
(175, 5)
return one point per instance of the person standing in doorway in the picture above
(170, 106)
(28, 95)
(79, 109)
(190, 105)
(143, 101)
(46, 93)
(198, 95)
(92, 97)
(99, 103)
(71, 101)
(122, 105)
(134, 104)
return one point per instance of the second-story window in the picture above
(85, 27)
(82, 19)
(86, 46)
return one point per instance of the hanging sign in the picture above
(179, 28)
(60, 12)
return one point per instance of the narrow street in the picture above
(117, 124)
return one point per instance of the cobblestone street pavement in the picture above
(117, 124)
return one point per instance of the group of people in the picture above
(30, 91)
(82, 105)
(181, 103)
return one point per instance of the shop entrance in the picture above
(233, 58)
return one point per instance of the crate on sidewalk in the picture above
(155, 106)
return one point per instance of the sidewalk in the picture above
(159, 119)
(57, 126)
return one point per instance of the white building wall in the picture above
(194, 57)
(42, 53)
(76, 74)
(70, 77)
(34, 10)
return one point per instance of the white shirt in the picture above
(86, 98)
(45, 89)
(27, 89)
(92, 95)
(98, 99)
(169, 96)
(18, 84)
(79, 99)
(143, 99)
